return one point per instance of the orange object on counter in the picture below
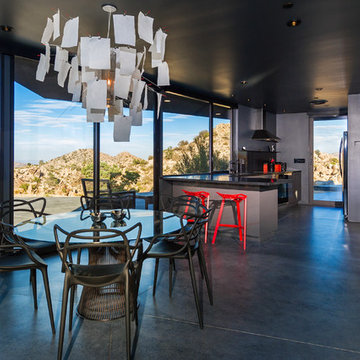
(277, 167)
(265, 168)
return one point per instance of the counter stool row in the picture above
(204, 198)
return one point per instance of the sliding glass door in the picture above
(327, 178)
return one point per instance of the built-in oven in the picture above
(283, 193)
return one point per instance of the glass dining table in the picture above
(105, 303)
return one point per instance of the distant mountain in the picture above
(326, 168)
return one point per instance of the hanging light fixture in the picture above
(106, 77)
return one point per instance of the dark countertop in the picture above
(255, 181)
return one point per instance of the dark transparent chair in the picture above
(27, 209)
(108, 199)
(183, 245)
(15, 255)
(97, 275)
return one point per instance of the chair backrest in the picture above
(115, 240)
(88, 187)
(188, 234)
(184, 205)
(11, 243)
(28, 208)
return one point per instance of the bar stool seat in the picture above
(238, 198)
(205, 201)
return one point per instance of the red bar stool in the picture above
(238, 198)
(205, 201)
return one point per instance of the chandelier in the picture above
(106, 74)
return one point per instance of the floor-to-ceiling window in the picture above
(221, 137)
(327, 179)
(185, 135)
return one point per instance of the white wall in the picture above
(354, 157)
(293, 130)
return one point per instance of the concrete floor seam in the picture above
(257, 334)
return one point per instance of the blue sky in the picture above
(327, 135)
(46, 128)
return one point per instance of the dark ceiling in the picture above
(212, 46)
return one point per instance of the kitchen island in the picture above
(262, 190)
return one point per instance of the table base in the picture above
(102, 304)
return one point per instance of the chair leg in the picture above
(48, 297)
(33, 283)
(155, 275)
(218, 221)
(63, 316)
(202, 263)
(170, 276)
(71, 310)
(127, 318)
(196, 296)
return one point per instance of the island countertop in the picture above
(253, 181)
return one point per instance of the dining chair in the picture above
(98, 275)
(106, 194)
(27, 209)
(183, 245)
(15, 255)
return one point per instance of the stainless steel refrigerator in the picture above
(343, 162)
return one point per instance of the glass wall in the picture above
(128, 165)
(52, 148)
(326, 169)
(221, 138)
(185, 135)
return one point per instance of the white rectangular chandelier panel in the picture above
(126, 58)
(124, 29)
(99, 56)
(56, 22)
(122, 85)
(145, 27)
(71, 33)
(163, 74)
(96, 94)
(49, 28)
(122, 128)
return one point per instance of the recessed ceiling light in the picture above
(318, 101)
(243, 82)
(6, 28)
(293, 22)
(217, 114)
(167, 100)
(248, 99)
(288, 5)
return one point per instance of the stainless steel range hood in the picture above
(263, 134)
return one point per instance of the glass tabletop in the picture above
(153, 223)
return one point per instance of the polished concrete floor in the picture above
(293, 295)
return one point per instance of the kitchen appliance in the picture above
(343, 162)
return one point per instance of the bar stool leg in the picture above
(218, 221)
(245, 212)
(207, 223)
(239, 220)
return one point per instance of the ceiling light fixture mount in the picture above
(294, 22)
(109, 8)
